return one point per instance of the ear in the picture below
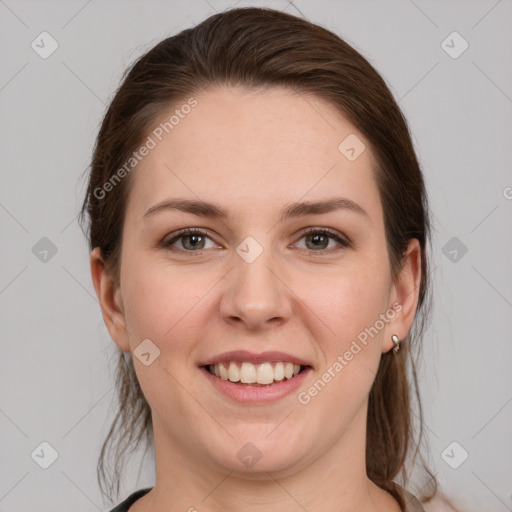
(110, 301)
(405, 294)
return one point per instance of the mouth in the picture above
(256, 378)
(264, 374)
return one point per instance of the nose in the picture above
(256, 293)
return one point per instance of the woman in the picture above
(258, 226)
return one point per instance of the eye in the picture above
(194, 240)
(318, 239)
(190, 240)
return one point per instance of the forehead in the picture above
(255, 149)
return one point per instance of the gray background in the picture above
(56, 382)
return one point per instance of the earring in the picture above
(396, 341)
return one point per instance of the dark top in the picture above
(128, 502)
(408, 501)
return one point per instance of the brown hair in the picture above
(255, 48)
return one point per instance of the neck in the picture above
(334, 480)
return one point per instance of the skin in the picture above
(253, 153)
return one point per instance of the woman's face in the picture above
(255, 281)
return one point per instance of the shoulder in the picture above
(408, 502)
(128, 502)
(439, 503)
(412, 504)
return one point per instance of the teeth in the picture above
(222, 371)
(288, 370)
(248, 373)
(265, 373)
(233, 373)
(279, 371)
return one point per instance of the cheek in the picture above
(347, 305)
(349, 302)
(164, 305)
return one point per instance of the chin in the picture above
(256, 450)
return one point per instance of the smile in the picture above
(255, 392)
(263, 374)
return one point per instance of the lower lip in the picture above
(244, 393)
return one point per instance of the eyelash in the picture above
(322, 231)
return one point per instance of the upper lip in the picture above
(251, 357)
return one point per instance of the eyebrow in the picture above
(293, 210)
